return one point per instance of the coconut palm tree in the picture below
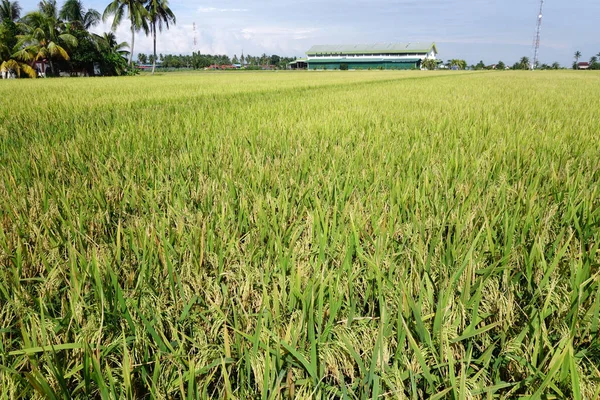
(158, 13)
(593, 60)
(114, 53)
(10, 10)
(10, 66)
(577, 56)
(44, 36)
(74, 12)
(136, 13)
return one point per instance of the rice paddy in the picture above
(345, 235)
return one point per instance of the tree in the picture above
(10, 11)
(136, 13)
(577, 56)
(44, 36)
(429, 64)
(75, 13)
(501, 66)
(457, 64)
(480, 65)
(114, 55)
(593, 59)
(159, 13)
(142, 59)
(525, 63)
(555, 65)
(10, 66)
(274, 59)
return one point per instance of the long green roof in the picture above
(363, 60)
(376, 48)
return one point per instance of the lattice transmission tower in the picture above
(195, 38)
(536, 40)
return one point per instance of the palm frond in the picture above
(68, 39)
(28, 70)
(26, 54)
(57, 51)
(91, 18)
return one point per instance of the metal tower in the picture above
(536, 40)
(195, 38)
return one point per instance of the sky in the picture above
(488, 30)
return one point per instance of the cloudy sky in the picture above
(488, 30)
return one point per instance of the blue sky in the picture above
(473, 30)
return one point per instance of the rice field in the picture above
(344, 235)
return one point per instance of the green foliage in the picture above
(255, 236)
(500, 66)
(60, 38)
(344, 67)
(112, 55)
(74, 13)
(457, 63)
(138, 16)
(429, 64)
(9, 10)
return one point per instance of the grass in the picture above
(301, 235)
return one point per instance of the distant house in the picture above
(583, 65)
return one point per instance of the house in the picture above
(583, 65)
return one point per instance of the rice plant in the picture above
(341, 235)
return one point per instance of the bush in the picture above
(343, 67)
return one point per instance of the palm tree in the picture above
(74, 12)
(136, 13)
(593, 60)
(10, 10)
(10, 65)
(44, 36)
(113, 51)
(158, 13)
(555, 65)
(577, 56)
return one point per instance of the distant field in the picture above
(345, 235)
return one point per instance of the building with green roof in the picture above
(370, 56)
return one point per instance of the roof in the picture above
(375, 48)
(361, 60)
(584, 64)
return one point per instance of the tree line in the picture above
(198, 60)
(523, 64)
(52, 38)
